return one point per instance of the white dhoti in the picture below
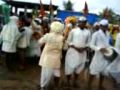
(74, 61)
(47, 74)
(98, 64)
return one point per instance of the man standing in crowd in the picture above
(34, 49)
(51, 55)
(24, 41)
(99, 43)
(76, 56)
(9, 37)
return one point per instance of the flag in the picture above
(85, 10)
(51, 11)
(50, 7)
(42, 11)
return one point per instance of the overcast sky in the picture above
(95, 6)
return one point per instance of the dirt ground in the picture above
(30, 77)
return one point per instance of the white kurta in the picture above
(99, 40)
(74, 59)
(9, 37)
(34, 48)
(24, 40)
(51, 55)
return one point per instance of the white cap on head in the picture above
(96, 24)
(104, 22)
(82, 18)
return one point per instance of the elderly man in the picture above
(51, 55)
(76, 56)
(99, 43)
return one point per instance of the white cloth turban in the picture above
(57, 27)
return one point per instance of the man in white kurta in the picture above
(34, 49)
(9, 37)
(100, 41)
(23, 43)
(51, 55)
(76, 55)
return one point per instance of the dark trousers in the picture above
(10, 59)
(21, 57)
(34, 60)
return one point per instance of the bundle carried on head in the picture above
(57, 27)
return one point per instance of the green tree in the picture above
(110, 15)
(5, 12)
(35, 12)
(68, 5)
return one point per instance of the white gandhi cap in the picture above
(104, 22)
(96, 24)
(82, 18)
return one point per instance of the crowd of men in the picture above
(85, 46)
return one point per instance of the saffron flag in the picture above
(85, 10)
(42, 11)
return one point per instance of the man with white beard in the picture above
(76, 56)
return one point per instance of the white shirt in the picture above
(99, 40)
(24, 40)
(9, 39)
(79, 38)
